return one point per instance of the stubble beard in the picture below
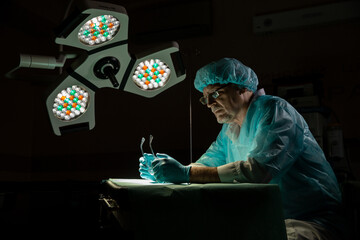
(225, 118)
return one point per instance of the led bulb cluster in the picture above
(71, 103)
(98, 30)
(151, 74)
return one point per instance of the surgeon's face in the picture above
(227, 105)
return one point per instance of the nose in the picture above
(210, 102)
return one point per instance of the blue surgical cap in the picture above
(224, 71)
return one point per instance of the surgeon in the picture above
(263, 140)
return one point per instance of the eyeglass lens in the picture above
(212, 96)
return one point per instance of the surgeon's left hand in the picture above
(145, 168)
(167, 169)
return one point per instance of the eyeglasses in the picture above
(215, 94)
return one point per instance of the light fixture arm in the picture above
(40, 62)
(43, 62)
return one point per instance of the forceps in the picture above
(150, 143)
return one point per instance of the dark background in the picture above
(40, 171)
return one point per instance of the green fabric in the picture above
(200, 211)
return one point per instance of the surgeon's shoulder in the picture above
(267, 101)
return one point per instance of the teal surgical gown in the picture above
(278, 139)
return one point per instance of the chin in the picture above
(222, 120)
(219, 121)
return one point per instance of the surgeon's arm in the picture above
(204, 175)
(249, 171)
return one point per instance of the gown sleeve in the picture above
(279, 138)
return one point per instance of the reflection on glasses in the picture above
(215, 94)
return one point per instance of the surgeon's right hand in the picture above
(145, 169)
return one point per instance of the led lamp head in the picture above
(71, 103)
(99, 30)
(71, 106)
(97, 25)
(151, 74)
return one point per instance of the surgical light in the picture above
(98, 32)
(71, 103)
(151, 74)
